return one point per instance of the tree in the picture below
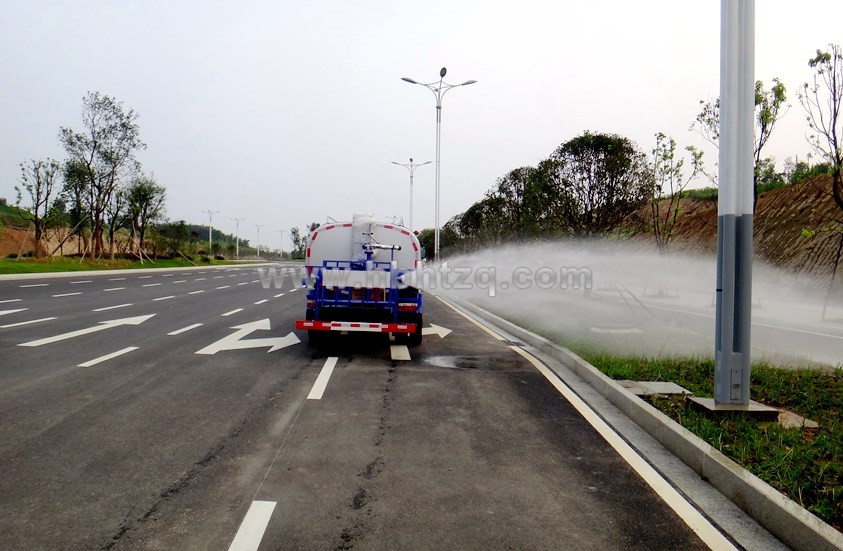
(116, 216)
(768, 111)
(74, 192)
(823, 102)
(38, 179)
(174, 235)
(669, 182)
(299, 242)
(602, 179)
(102, 154)
(146, 205)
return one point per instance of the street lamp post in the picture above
(438, 89)
(281, 253)
(411, 168)
(259, 226)
(237, 237)
(210, 214)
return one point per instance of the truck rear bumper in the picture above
(355, 326)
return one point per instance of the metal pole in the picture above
(734, 204)
(411, 199)
(237, 236)
(281, 253)
(411, 168)
(210, 214)
(259, 226)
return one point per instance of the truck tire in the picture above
(415, 339)
(314, 338)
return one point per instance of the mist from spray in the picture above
(615, 298)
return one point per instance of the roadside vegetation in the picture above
(805, 464)
(65, 264)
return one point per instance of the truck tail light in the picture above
(407, 307)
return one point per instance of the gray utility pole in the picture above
(237, 237)
(281, 253)
(734, 203)
(412, 168)
(259, 226)
(210, 214)
(438, 88)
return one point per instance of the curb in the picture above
(781, 516)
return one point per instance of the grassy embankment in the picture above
(65, 264)
(804, 464)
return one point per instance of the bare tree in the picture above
(669, 182)
(102, 154)
(38, 179)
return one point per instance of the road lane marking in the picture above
(144, 277)
(200, 279)
(236, 340)
(185, 329)
(167, 275)
(693, 518)
(114, 289)
(232, 275)
(254, 280)
(218, 277)
(278, 295)
(10, 300)
(151, 285)
(67, 294)
(107, 357)
(180, 281)
(436, 330)
(80, 282)
(117, 279)
(5, 312)
(110, 308)
(35, 285)
(244, 283)
(163, 298)
(469, 318)
(262, 301)
(30, 322)
(195, 292)
(224, 287)
(137, 320)
(251, 530)
(294, 290)
(232, 312)
(322, 380)
(399, 352)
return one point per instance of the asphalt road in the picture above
(177, 410)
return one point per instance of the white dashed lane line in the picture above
(110, 308)
(255, 281)
(251, 530)
(10, 300)
(30, 322)
(218, 277)
(261, 301)
(151, 285)
(144, 277)
(180, 281)
(200, 279)
(80, 282)
(279, 295)
(243, 283)
(232, 312)
(195, 292)
(6, 312)
(107, 357)
(163, 298)
(185, 329)
(224, 287)
(167, 275)
(117, 279)
(67, 294)
(113, 289)
(323, 378)
(34, 285)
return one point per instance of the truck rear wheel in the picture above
(415, 339)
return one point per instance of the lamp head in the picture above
(411, 81)
(442, 72)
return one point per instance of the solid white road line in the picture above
(110, 308)
(18, 324)
(195, 292)
(322, 380)
(34, 285)
(185, 329)
(693, 518)
(67, 294)
(399, 352)
(10, 300)
(151, 285)
(114, 289)
(278, 295)
(80, 282)
(262, 301)
(232, 312)
(469, 318)
(107, 357)
(5, 312)
(251, 530)
(224, 287)
(163, 298)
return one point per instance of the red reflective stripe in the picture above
(415, 247)
(354, 325)
(313, 237)
(388, 227)
(346, 225)
(405, 232)
(326, 228)
(308, 252)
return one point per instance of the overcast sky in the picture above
(285, 112)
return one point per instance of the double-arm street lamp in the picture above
(411, 167)
(237, 236)
(259, 226)
(438, 88)
(210, 214)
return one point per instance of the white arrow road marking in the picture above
(436, 330)
(101, 359)
(234, 342)
(18, 324)
(251, 530)
(399, 352)
(5, 312)
(322, 380)
(100, 327)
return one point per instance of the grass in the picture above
(804, 464)
(9, 216)
(65, 264)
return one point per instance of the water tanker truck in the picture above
(363, 279)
